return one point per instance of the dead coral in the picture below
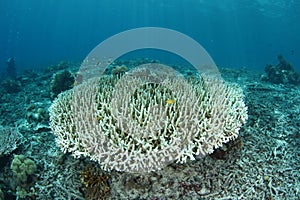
(96, 183)
(10, 139)
(60, 179)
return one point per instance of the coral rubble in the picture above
(265, 165)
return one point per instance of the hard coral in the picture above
(282, 73)
(119, 70)
(127, 124)
(10, 139)
(22, 168)
(61, 81)
(96, 183)
(11, 86)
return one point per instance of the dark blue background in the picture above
(235, 33)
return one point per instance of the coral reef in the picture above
(1, 195)
(10, 139)
(60, 177)
(119, 70)
(282, 73)
(121, 66)
(11, 86)
(96, 183)
(62, 65)
(265, 165)
(36, 113)
(23, 169)
(61, 81)
(92, 119)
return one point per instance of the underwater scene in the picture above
(150, 100)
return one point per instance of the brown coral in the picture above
(96, 183)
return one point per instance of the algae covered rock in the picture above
(282, 73)
(22, 168)
(61, 81)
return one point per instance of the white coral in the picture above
(142, 123)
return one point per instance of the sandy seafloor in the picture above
(262, 164)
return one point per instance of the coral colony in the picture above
(124, 122)
(129, 124)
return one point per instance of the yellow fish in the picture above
(170, 101)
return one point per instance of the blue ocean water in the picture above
(248, 33)
(240, 35)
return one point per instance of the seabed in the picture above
(263, 163)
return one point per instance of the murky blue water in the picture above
(248, 33)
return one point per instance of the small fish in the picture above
(99, 118)
(170, 101)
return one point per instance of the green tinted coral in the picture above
(1, 194)
(22, 167)
(61, 81)
(282, 73)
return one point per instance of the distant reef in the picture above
(282, 73)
